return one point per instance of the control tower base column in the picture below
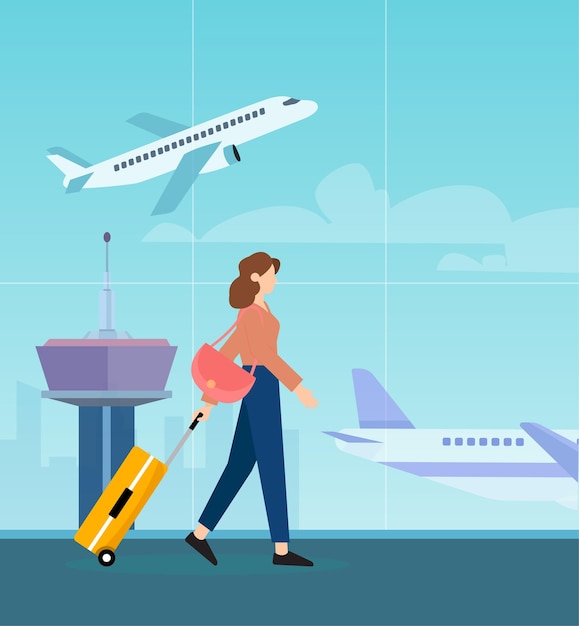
(105, 437)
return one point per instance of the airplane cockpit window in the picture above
(290, 101)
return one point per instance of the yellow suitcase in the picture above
(122, 500)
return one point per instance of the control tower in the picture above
(106, 374)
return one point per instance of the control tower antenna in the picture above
(107, 305)
(107, 300)
(107, 238)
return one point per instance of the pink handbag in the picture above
(219, 377)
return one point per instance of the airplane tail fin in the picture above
(376, 409)
(72, 166)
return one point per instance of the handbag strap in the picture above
(239, 316)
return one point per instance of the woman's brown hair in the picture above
(243, 290)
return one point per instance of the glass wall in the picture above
(414, 167)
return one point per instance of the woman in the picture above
(258, 435)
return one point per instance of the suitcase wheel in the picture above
(106, 557)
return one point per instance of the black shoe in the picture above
(290, 559)
(202, 547)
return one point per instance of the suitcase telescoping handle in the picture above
(184, 438)
(127, 493)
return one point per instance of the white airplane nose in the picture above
(311, 106)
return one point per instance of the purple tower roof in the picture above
(106, 364)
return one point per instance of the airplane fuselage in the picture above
(163, 155)
(493, 463)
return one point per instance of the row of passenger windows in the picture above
(483, 441)
(161, 149)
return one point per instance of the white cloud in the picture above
(168, 232)
(459, 214)
(355, 212)
(546, 242)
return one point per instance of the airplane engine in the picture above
(231, 154)
(222, 158)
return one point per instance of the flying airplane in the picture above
(532, 463)
(186, 151)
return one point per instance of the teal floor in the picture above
(416, 582)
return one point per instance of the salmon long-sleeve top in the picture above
(255, 338)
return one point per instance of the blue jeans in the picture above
(258, 438)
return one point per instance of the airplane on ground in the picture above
(188, 151)
(532, 463)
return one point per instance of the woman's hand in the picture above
(306, 397)
(205, 410)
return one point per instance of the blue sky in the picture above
(484, 94)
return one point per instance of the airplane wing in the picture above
(183, 178)
(349, 438)
(156, 125)
(562, 450)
